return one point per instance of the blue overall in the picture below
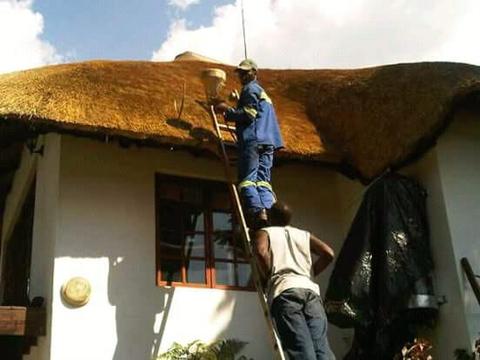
(258, 136)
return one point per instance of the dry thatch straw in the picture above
(368, 119)
(379, 117)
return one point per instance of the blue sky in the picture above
(280, 33)
(115, 29)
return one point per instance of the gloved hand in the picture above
(221, 107)
(234, 95)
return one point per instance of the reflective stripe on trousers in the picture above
(254, 172)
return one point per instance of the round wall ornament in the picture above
(76, 291)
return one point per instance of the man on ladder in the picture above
(258, 137)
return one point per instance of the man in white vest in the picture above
(284, 257)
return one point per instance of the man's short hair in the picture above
(280, 214)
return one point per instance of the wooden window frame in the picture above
(208, 234)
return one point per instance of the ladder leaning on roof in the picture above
(246, 236)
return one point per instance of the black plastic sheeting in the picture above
(386, 251)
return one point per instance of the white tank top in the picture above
(291, 260)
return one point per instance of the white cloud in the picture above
(20, 44)
(334, 34)
(462, 44)
(182, 4)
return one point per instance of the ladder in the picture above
(277, 348)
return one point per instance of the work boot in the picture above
(256, 219)
(261, 219)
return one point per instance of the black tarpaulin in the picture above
(386, 251)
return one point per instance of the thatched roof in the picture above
(381, 117)
(142, 100)
(366, 120)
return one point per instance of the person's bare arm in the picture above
(323, 251)
(261, 249)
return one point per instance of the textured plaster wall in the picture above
(451, 319)
(106, 233)
(458, 158)
(95, 217)
(451, 175)
(44, 170)
(45, 234)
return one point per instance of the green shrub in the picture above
(198, 350)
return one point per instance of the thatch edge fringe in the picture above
(427, 142)
(38, 125)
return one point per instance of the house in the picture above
(106, 167)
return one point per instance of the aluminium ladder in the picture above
(278, 352)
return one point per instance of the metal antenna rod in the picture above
(243, 28)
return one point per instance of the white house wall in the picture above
(451, 319)
(94, 214)
(106, 233)
(451, 175)
(45, 230)
(43, 169)
(458, 158)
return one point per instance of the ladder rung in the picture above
(277, 349)
(227, 127)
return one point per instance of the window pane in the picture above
(240, 247)
(221, 200)
(169, 190)
(196, 271)
(170, 215)
(193, 194)
(225, 273)
(179, 216)
(223, 245)
(194, 245)
(244, 275)
(195, 224)
(193, 219)
(171, 243)
(222, 221)
(171, 270)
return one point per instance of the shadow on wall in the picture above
(246, 323)
(143, 312)
(137, 308)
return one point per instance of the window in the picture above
(196, 245)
